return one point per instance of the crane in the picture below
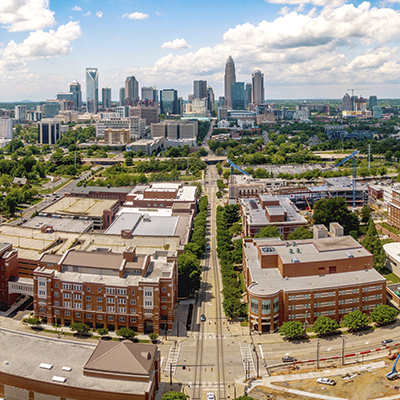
(232, 183)
(353, 157)
(352, 96)
(393, 374)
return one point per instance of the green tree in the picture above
(388, 155)
(365, 214)
(126, 333)
(33, 321)
(384, 314)
(292, 330)
(373, 244)
(153, 336)
(231, 213)
(102, 331)
(325, 326)
(335, 210)
(174, 396)
(79, 328)
(355, 321)
(244, 398)
(128, 161)
(189, 273)
(300, 233)
(268, 232)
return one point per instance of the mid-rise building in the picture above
(122, 111)
(122, 96)
(230, 79)
(51, 108)
(6, 128)
(373, 101)
(20, 113)
(199, 89)
(76, 90)
(49, 131)
(257, 87)
(131, 91)
(106, 289)
(393, 208)
(238, 96)
(305, 279)
(92, 90)
(66, 100)
(150, 93)
(106, 97)
(9, 268)
(34, 115)
(169, 104)
(377, 112)
(135, 125)
(347, 104)
(247, 94)
(210, 99)
(146, 111)
(182, 129)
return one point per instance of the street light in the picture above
(343, 339)
(234, 390)
(258, 366)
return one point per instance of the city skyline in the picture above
(304, 48)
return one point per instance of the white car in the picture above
(326, 381)
(210, 396)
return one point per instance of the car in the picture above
(202, 317)
(208, 247)
(326, 381)
(289, 359)
(210, 396)
(386, 342)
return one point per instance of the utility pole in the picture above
(369, 156)
(343, 339)
(318, 344)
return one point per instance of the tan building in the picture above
(241, 186)
(394, 209)
(305, 279)
(106, 289)
(117, 136)
(175, 129)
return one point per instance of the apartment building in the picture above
(135, 125)
(9, 271)
(304, 279)
(106, 289)
(182, 129)
(241, 186)
(267, 210)
(394, 209)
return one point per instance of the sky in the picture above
(305, 48)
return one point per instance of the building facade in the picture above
(49, 131)
(75, 89)
(257, 87)
(394, 209)
(238, 96)
(230, 79)
(106, 97)
(149, 93)
(92, 90)
(131, 91)
(199, 89)
(169, 104)
(6, 128)
(20, 113)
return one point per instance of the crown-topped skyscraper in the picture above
(230, 78)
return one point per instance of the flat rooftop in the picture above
(58, 353)
(60, 224)
(88, 189)
(270, 280)
(75, 206)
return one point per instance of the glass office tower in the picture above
(92, 90)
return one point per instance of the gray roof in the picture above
(125, 221)
(60, 224)
(88, 189)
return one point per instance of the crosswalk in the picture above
(173, 356)
(207, 385)
(247, 359)
(209, 335)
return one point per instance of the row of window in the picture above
(331, 294)
(265, 306)
(68, 304)
(89, 316)
(79, 288)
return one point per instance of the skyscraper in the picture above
(121, 96)
(199, 89)
(257, 92)
(106, 97)
(347, 104)
(20, 113)
(238, 96)
(169, 101)
(210, 99)
(247, 94)
(373, 101)
(230, 78)
(131, 91)
(75, 89)
(150, 93)
(92, 90)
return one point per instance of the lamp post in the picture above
(234, 390)
(343, 339)
(258, 365)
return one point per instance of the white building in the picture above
(136, 126)
(6, 128)
(20, 113)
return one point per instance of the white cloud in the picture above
(158, 13)
(176, 44)
(26, 15)
(321, 3)
(136, 15)
(99, 14)
(88, 14)
(76, 8)
(39, 44)
(284, 10)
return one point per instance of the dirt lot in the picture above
(367, 385)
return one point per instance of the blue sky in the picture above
(305, 48)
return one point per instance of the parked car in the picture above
(326, 381)
(289, 359)
(208, 247)
(210, 396)
(386, 342)
(202, 317)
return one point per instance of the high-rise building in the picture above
(230, 78)
(347, 104)
(150, 93)
(373, 101)
(247, 94)
(20, 113)
(257, 84)
(199, 89)
(131, 91)
(51, 108)
(75, 89)
(49, 131)
(92, 90)
(6, 128)
(221, 101)
(106, 97)
(238, 95)
(122, 96)
(210, 98)
(169, 102)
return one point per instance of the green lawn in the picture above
(389, 228)
(392, 277)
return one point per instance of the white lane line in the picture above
(262, 354)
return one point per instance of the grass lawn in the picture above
(392, 277)
(389, 228)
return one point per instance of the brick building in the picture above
(99, 192)
(305, 279)
(105, 289)
(9, 270)
(394, 209)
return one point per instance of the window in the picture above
(254, 306)
(42, 293)
(67, 304)
(148, 303)
(88, 306)
(276, 305)
(78, 305)
(56, 294)
(57, 303)
(306, 296)
(292, 297)
(99, 308)
(133, 319)
(163, 307)
(148, 312)
(164, 298)
(99, 290)
(88, 298)
(265, 306)
(67, 295)
(133, 292)
(89, 316)
(41, 283)
(67, 313)
(122, 310)
(79, 288)
(56, 285)
(77, 297)
(133, 301)
(121, 319)
(99, 299)
(110, 309)
(57, 312)
(88, 289)
(121, 301)
(78, 315)
(133, 310)
(317, 295)
(110, 318)
(67, 286)
(164, 290)
(110, 300)
(110, 290)
(148, 294)
(121, 291)
(100, 317)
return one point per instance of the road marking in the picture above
(247, 359)
(261, 351)
(173, 356)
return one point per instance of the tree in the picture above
(153, 336)
(365, 214)
(355, 321)
(388, 155)
(174, 396)
(231, 213)
(300, 233)
(79, 328)
(128, 161)
(325, 326)
(244, 398)
(102, 331)
(268, 232)
(33, 321)
(384, 314)
(292, 330)
(373, 244)
(126, 333)
(335, 210)
(189, 273)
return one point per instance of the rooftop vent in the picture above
(298, 250)
(291, 251)
(287, 244)
(294, 244)
(45, 366)
(349, 255)
(295, 260)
